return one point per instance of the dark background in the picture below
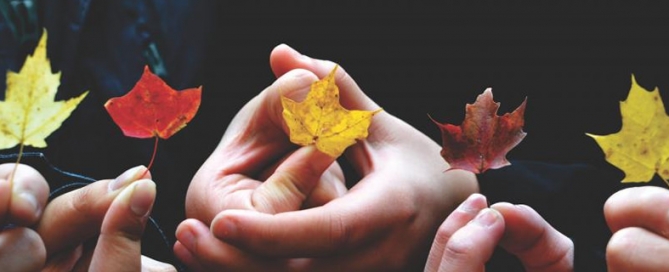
(573, 60)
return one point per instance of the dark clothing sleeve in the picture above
(570, 197)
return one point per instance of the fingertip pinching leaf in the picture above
(641, 147)
(321, 121)
(483, 139)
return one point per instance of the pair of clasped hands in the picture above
(260, 203)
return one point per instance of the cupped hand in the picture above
(385, 222)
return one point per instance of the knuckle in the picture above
(281, 194)
(442, 235)
(291, 183)
(406, 209)
(458, 249)
(340, 234)
(82, 201)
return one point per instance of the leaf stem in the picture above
(16, 166)
(153, 157)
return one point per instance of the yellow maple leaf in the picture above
(641, 147)
(29, 113)
(320, 119)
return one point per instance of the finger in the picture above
(254, 141)
(637, 249)
(5, 198)
(203, 252)
(471, 246)
(119, 244)
(29, 193)
(535, 242)
(456, 220)
(84, 262)
(21, 249)
(331, 186)
(261, 119)
(343, 224)
(384, 127)
(186, 257)
(65, 261)
(644, 207)
(292, 182)
(284, 59)
(73, 218)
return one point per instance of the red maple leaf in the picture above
(484, 138)
(153, 109)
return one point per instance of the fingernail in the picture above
(126, 178)
(469, 204)
(487, 217)
(142, 197)
(226, 229)
(296, 53)
(291, 49)
(230, 229)
(31, 200)
(187, 238)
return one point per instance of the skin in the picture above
(22, 202)
(261, 203)
(468, 237)
(111, 216)
(639, 221)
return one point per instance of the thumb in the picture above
(535, 242)
(119, 244)
(21, 249)
(292, 182)
(295, 85)
(261, 119)
(75, 217)
(284, 59)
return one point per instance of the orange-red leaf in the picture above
(484, 138)
(153, 109)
